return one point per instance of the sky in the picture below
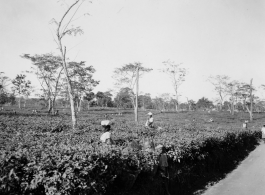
(220, 37)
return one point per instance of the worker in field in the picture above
(263, 133)
(150, 121)
(161, 170)
(106, 136)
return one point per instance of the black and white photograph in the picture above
(132, 97)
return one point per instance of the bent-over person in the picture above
(106, 136)
(150, 121)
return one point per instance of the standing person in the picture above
(162, 168)
(150, 121)
(263, 133)
(106, 136)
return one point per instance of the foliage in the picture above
(21, 86)
(204, 103)
(177, 75)
(47, 157)
(4, 82)
(48, 69)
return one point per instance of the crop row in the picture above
(41, 155)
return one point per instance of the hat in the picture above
(150, 113)
(105, 123)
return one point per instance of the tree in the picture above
(232, 91)
(128, 76)
(191, 104)
(159, 103)
(220, 83)
(27, 94)
(20, 86)
(204, 103)
(123, 98)
(177, 75)
(89, 97)
(145, 101)
(7, 98)
(63, 30)
(100, 98)
(104, 98)
(166, 100)
(81, 80)
(4, 82)
(48, 69)
(107, 99)
(246, 92)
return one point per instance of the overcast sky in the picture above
(209, 37)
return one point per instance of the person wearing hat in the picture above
(150, 121)
(106, 136)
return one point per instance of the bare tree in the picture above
(246, 91)
(48, 69)
(220, 83)
(63, 30)
(177, 76)
(231, 90)
(128, 76)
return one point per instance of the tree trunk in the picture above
(251, 102)
(19, 100)
(53, 106)
(80, 104)
(177, 101)
(49, 105)
(69, 86)
(136, 99)
(63, 54)
(25, 101)
(232, 107)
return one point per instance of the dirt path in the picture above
(247, 179)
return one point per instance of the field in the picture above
(40, 154)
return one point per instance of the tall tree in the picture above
(128, 76)
(20, 87)
(246, 91)
(4, 82)
(63, 30)
(177, 75)
(232, 91)
(48, 69)
(220, 83)
(82, 81)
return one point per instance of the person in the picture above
(106, 136)
(150, 121)
(263, 133)
(162, 168)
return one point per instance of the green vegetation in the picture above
(42, 154)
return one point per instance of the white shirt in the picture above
(150, 120)
(263, 130)
(105, 136)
